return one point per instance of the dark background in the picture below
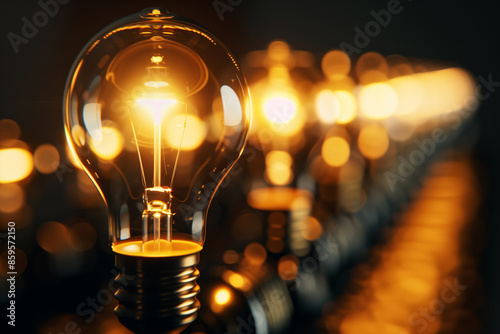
(462, 32)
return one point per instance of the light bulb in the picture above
(157, 112)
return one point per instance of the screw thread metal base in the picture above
(157, 294)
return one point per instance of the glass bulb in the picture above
(157, 112)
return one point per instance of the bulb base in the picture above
(157, 294)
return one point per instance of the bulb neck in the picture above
(157, 294)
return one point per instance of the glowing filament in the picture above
(157, 210)
(157, 107)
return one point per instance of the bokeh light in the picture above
(278, 51)
(409, 94)
(46, 158)
(230, 257)
(288, 267)
(222, 296)
(420, 262)
(327, 106)
(373, 141)
(187, 130)
(12, 197)
(54, 237)
(335, 106)
(371, 67)
(236, 280)
(313, 229)
(275, 198)
(279, 168)
(109, 145)
(335, 151)
(378, 100)
(336, 64)
(9, 129)
(221, 299)
(15, 164)
(348, 106)
(280, 110)
(255, 254)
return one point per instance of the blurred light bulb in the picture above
(139, 99)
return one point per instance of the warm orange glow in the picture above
(400, 129)
(275, 232)
(255, 254)
(11, 198)
(327, 106)
(278, 51)
(222, 296)
(336, 64)
(9, 129)
(335, 151)
(288, 268)
(15, 164)
(276, 219)
(188, 128)
(421, 261)
(373, 141)
(279, 174)
(398, 66)
(281, 113)
(54, 237)
(71, 156)
(445, 91)
(46, 158)
(221, 299)
(348, 106)
(279, 168)
(275, 198)
(156, 59)
(236, 280)
(78, 134)
(279, 74)
(280, 109)
(156, 84)
(279, 156)
(109, 145)
(409, 94)
(421, 96)
(372, 76)
(378, 100)
(275, 246)
(178, 248)
(156, 106)
(230, 257)
(370, 61)
(312, 230)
